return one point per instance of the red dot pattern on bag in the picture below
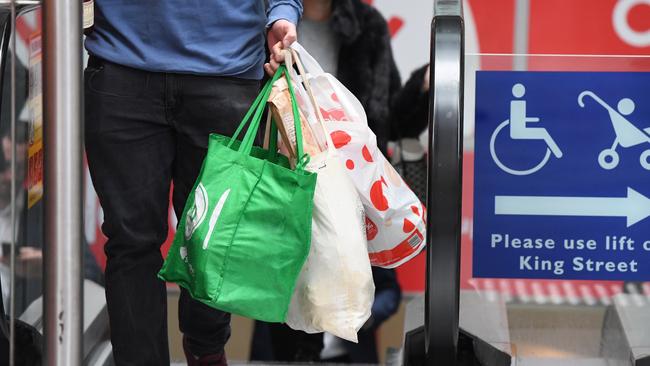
(335, 97)
(377, 196)
(340, 138)
(349, 164)
(366, 154)
(415, 210)
(408, 226)
(371, 229)
(333, 114)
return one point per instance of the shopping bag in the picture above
(412, 166)
(395, 217)
(245, 231)
(335, 290)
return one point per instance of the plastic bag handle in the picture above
(303, 159)
(291, 56)
(308, 61)
(270, 135)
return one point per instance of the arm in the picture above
(282, 17)
(290, 10)
(385, 81)
(410, 106)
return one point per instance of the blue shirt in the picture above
(207, 37)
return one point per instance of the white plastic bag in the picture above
(395, 217)
(335, 290)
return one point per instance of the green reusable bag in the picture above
(246, 227)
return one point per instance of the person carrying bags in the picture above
(162, 75)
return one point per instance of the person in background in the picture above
(162, 75)
(350, 40)
(388, 296)
(410, 107)
(28, 237)
(277, 342)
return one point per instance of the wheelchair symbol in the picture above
(519, 130)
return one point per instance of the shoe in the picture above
(217, 359)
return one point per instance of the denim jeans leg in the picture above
(130, 149)
(206, 105)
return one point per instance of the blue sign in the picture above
(562, 175)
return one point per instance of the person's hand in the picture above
(30, 254)
(280, 36)
(29, 262)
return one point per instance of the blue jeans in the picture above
(145, 131)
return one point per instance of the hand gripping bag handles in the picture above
(246, 228)
(395, 217)
(335, 289)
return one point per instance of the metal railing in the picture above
(62, 111)
(62, 273)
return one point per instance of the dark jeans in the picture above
(293, 345)
(145, 130)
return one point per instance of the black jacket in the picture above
(410, 108)
(366, 65)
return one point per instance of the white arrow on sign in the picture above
(635, 207)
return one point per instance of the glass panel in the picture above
(556, 235)
(28, 205)
(30, 238)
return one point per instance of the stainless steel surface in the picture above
(633, 311)
(12, 260)
(102, 355)
(8, 3)
(448, 8)
(62, 68)
(522, 22)
(483, 315)
(444, 183)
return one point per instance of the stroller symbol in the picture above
(627, 134)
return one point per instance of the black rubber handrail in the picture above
(444, 188)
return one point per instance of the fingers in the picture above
(287, 31)
(276, 53)
(289, 37)
(277, 58)
(268, 69)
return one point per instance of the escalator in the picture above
(483, 305)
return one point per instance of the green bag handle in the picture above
(303, 159)
(257, 118)
(256, 110)
(273, 142)
(260, 100)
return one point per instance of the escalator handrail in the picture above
(444, 188)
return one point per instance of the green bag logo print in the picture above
(198, 212)
(215, 217)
